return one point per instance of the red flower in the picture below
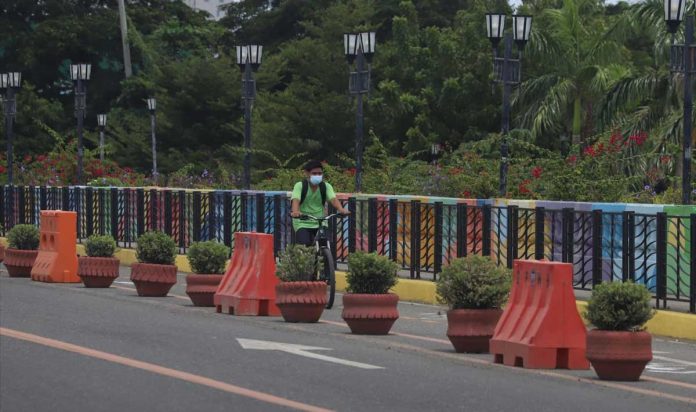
(590, 151)
(466, 194)
(615, 139)
(351, 171)
(664, 159)
(2, 169)
(536, 172)
(98, 172)
(639, 138)
(40, 158)
(27, 159)
(523, 187)
(572, 159)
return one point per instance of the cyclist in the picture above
(309, 197)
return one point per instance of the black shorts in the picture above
(305, 236)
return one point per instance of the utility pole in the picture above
(124, 38)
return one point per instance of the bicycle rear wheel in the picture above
(328, 275)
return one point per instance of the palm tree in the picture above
(581, 56)
(650, 99)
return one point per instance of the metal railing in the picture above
(657, 250)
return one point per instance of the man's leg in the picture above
(305, 236)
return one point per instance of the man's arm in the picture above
(339, 207)
(295, 208)
(295, 204)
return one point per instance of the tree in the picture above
(577, 49)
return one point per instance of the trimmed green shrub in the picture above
(298, 263)
(24, 237)
(371, 273)
(208, 257)
(156, 248)
(100, 246)
(619, 306)
(473, 282)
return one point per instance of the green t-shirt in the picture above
(312, 204)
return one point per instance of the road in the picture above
(67, 348)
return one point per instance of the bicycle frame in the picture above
(321, 239)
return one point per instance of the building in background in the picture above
(210, 6)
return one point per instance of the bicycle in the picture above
(323, 246)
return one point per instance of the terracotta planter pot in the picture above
(619, 356)
(470, 330)
(201, 288)
(301, 301)
(97, 272)
(370, 314)
(19, 262)
(2, 253)
(153, 280)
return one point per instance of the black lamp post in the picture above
(101, 122)
(80, 73)
(152, 106)
(359, 48)
(248, 60)
(435, 149)
(507, 70)
(10, 82)
(682, 61)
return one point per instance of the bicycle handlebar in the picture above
(319, 219)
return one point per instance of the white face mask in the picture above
(315, 180)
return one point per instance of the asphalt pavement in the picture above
(67, 348)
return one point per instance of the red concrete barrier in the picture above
(57, 258)
(248, 287)
(541, 326)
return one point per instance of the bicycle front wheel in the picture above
(329, 276)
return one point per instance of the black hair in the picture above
(313, 164)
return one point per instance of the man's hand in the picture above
(295, 214)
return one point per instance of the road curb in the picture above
(664, 323)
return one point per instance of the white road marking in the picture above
(679, 361)
(300, 350)
(670, 365)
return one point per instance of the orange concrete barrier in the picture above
(541, 326)
(57, 258)
(248, 287)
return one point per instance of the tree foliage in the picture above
(590, 70)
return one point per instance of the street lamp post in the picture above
(682, 61)
(152, 106)
(101, 122)
(359, 48)
(10, 82)
(80, 73)
(248, 60)
(507, 70)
